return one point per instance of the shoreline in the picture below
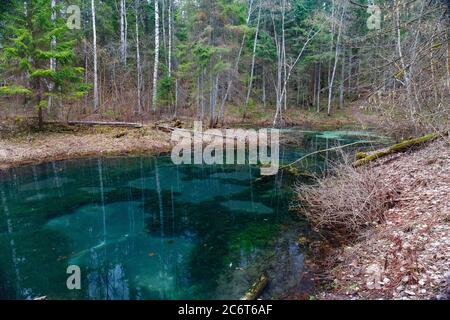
(80, 142)
(61, 142)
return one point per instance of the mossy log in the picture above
(257, 288)
(364, 158)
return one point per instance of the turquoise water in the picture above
(143, 228)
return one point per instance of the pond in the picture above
(144, 228)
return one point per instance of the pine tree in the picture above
(28, 49)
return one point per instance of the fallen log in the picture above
(256, 289)
(166, 129)
(364, 158)
(107, 123)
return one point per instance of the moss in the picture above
(253, 236)
(409, 143)
(360, 155)
(293, 170)
(399, 147)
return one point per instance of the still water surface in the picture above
(143, 228)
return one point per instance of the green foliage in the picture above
(13, 90)
(29, 30)
(165, 91)
(203, 53)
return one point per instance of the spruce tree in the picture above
(27, 50)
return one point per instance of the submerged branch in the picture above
(257, 288)
(325, 150)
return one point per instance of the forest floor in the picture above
(407, 256)
(64, 142)
(354, 115)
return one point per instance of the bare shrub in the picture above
(343, 204)
(398, 122)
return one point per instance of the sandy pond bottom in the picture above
(143, 228)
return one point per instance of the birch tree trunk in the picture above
(126, 32)
(279, 73)
(123, 32)
(169, 66)
(138, 60)
(163, 31)
(283, 49)
(156, 65)
(94, 42)
(52, 60)
(252, 68)
(336, 56)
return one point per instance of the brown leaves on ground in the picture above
(82, 142)
(408, 255)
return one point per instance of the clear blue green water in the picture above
(143, 228)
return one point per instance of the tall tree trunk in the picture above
(264, 86)
(51, 85)
(169, 59)
(405, 72)
(85, 52)
(252, 68)
(336, 56)
(94, 42)
(315, 84)
(349, 90)
(202, 97)
(123, 32)
(163, 31)
(156, 65)
(332, 33)
(138, 59)
(319, 84)
(341, 87)
(176, 98)
(198, 97)
(283, 47)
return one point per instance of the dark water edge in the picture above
(142, 228)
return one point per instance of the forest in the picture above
(211, 59)
(92, 90)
